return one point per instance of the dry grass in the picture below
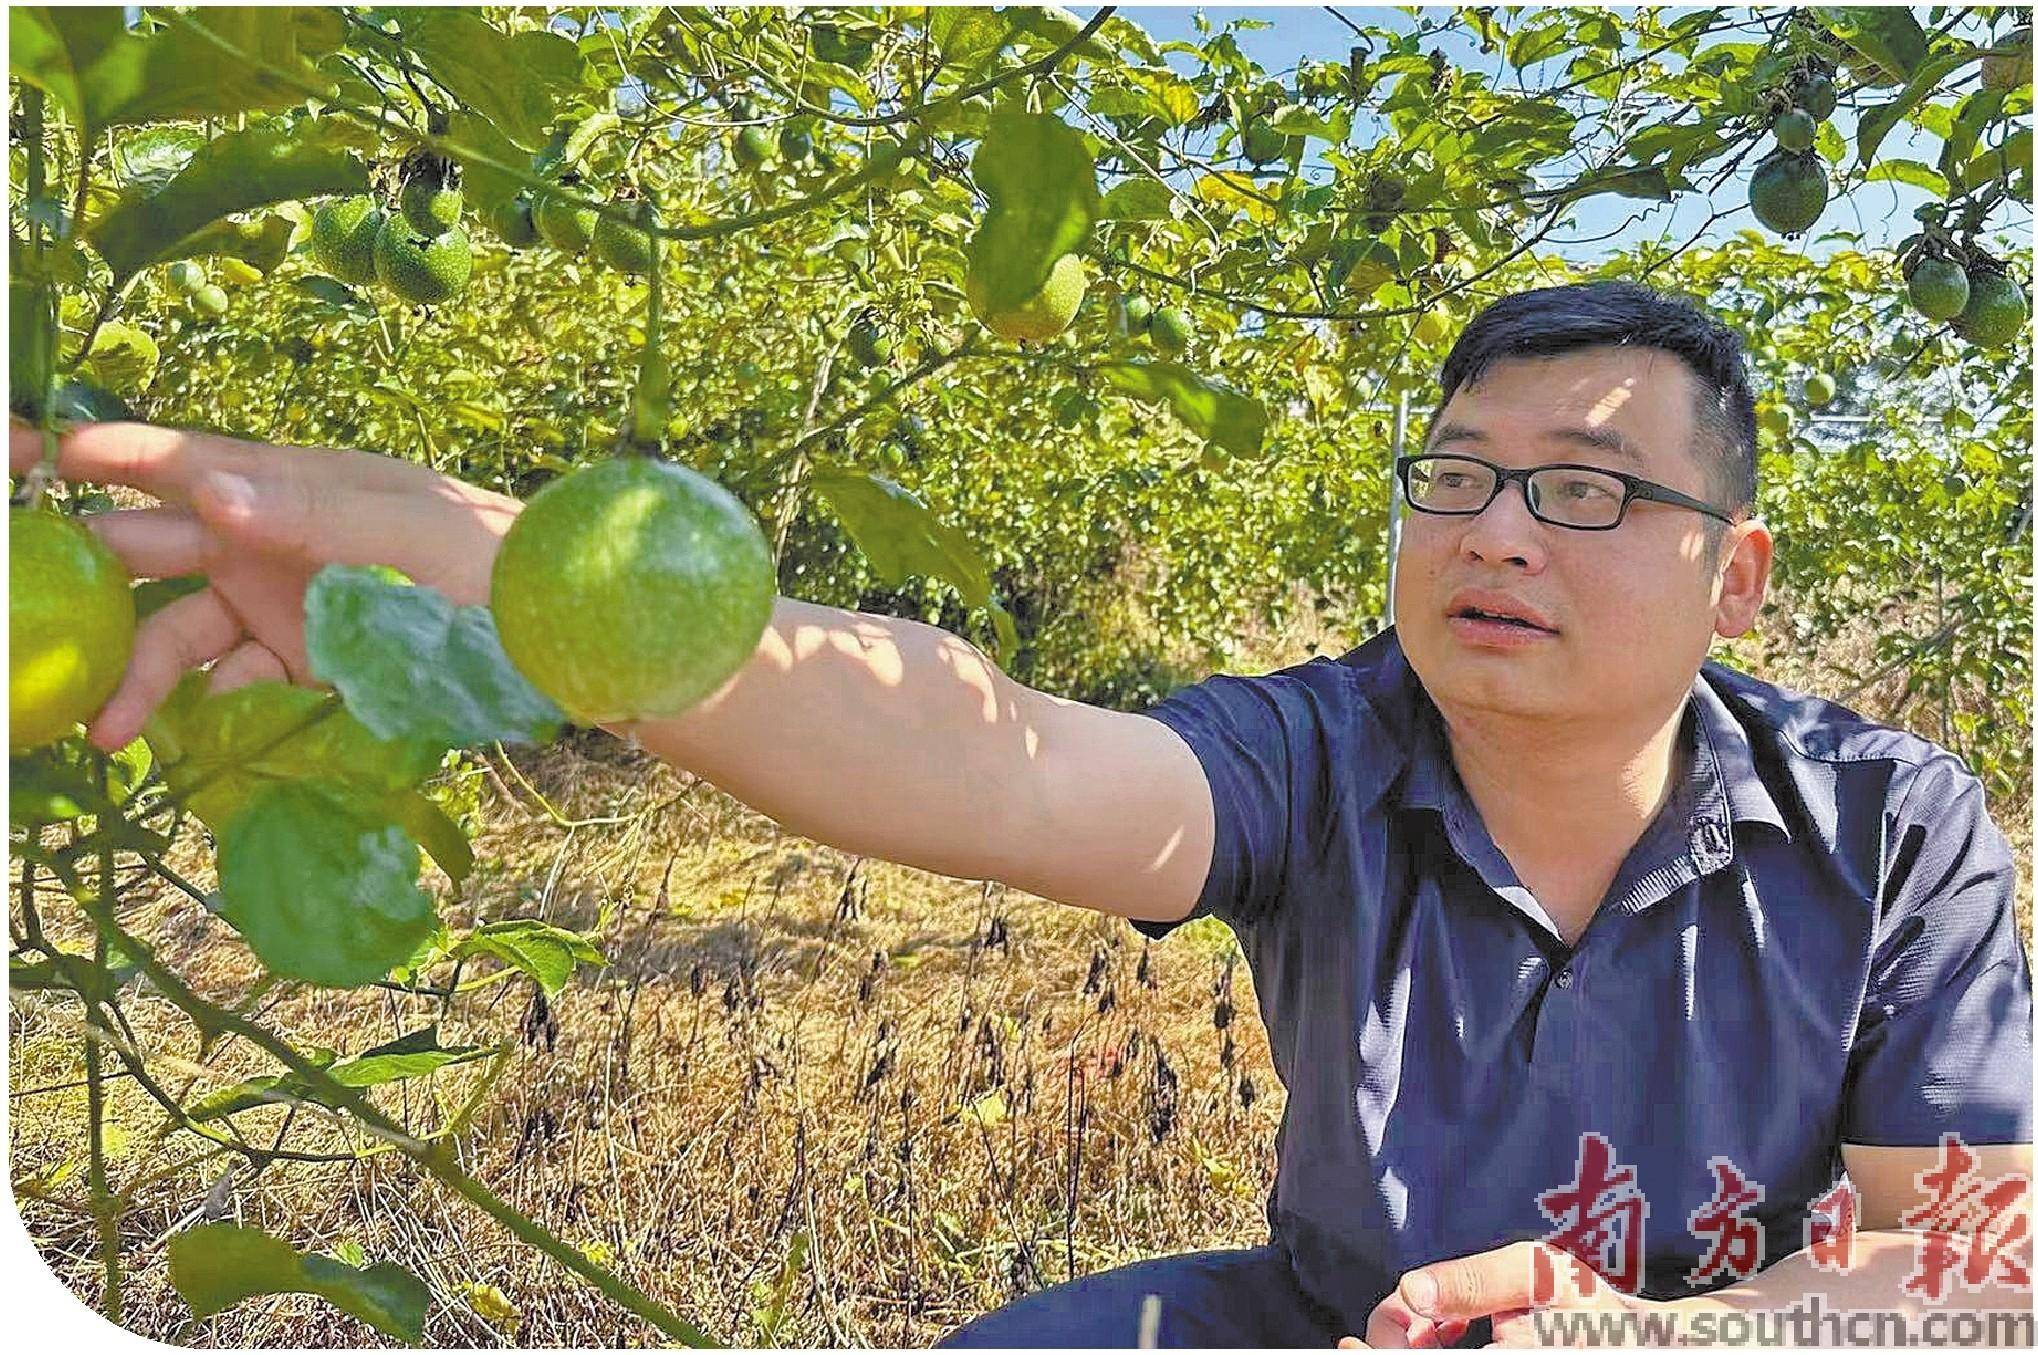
(960, 1093)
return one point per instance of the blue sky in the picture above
(1881, 212)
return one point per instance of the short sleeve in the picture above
(1944, 1040)
(1269, 746)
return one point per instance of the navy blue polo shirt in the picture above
(1812, 944)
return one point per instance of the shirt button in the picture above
(1564, 978)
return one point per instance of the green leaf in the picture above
(55, 47)
(898, 534)
(1042, 186)
(1138, 200)
(264, 243)
(414, 1055)
(54, 784)
(123, 357)
(219, 750)
(965, 34)
(484, 69)
(1910, 172)
(1223, 416)
(474, 141)
(431, 829)
(213, 61)
(322, 884)
(1888, 41)
(545, 952)
(236, 172)
(216, 1265)
(1876, 122)
(411, 665)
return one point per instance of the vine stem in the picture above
(105, 1206)
(437, 1157)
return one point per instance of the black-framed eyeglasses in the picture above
(1583, 498)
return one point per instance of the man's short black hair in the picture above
(1553, 320)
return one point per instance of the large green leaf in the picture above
(1234, 422)
(216, 1265)
(412, 1055)
(218, 750)
(541, 950)
(236, 172)
(55, 47)
(1042, 187)
(898, 534)
(322, 884)
(485, 69)
(213, 61)
(1887, 43)
(1876, 122)
(414, 666)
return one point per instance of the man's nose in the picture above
(1506, 530)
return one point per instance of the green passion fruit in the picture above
(1039, 317)
(70, 626)
(632, 590)
(343, 238)
(1937, 288)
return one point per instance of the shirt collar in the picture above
(1722, 786)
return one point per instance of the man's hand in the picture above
(1434, 1304)
(259, 522)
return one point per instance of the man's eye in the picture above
(1586, 489)
(1452, 480)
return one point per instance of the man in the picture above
(1556, 927)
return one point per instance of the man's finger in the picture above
(193, 630)
(1490, 1282)
(248, 662)
(154, 543)
(159, 461)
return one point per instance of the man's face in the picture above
(1632, 610)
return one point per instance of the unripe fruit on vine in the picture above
(210, 300)
(752, 147)
(343, 238)
(513, 224)
(1817, 97)
(1937, 288)
(421, 269)
(186, 277)
(1996, 312)
(430, 209)
(1788, 192)
(566, 227)
(1819, 389)
(632, 590)
(869, 345)
(1170, 329)
(623, 246)
(795, 144)
(1039, 317)
(1795, 130)
(70, 626)
(1138, 315)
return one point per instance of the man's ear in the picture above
(1743, 578)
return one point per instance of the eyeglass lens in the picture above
(1578, 498)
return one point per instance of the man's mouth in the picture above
(1474, 614)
